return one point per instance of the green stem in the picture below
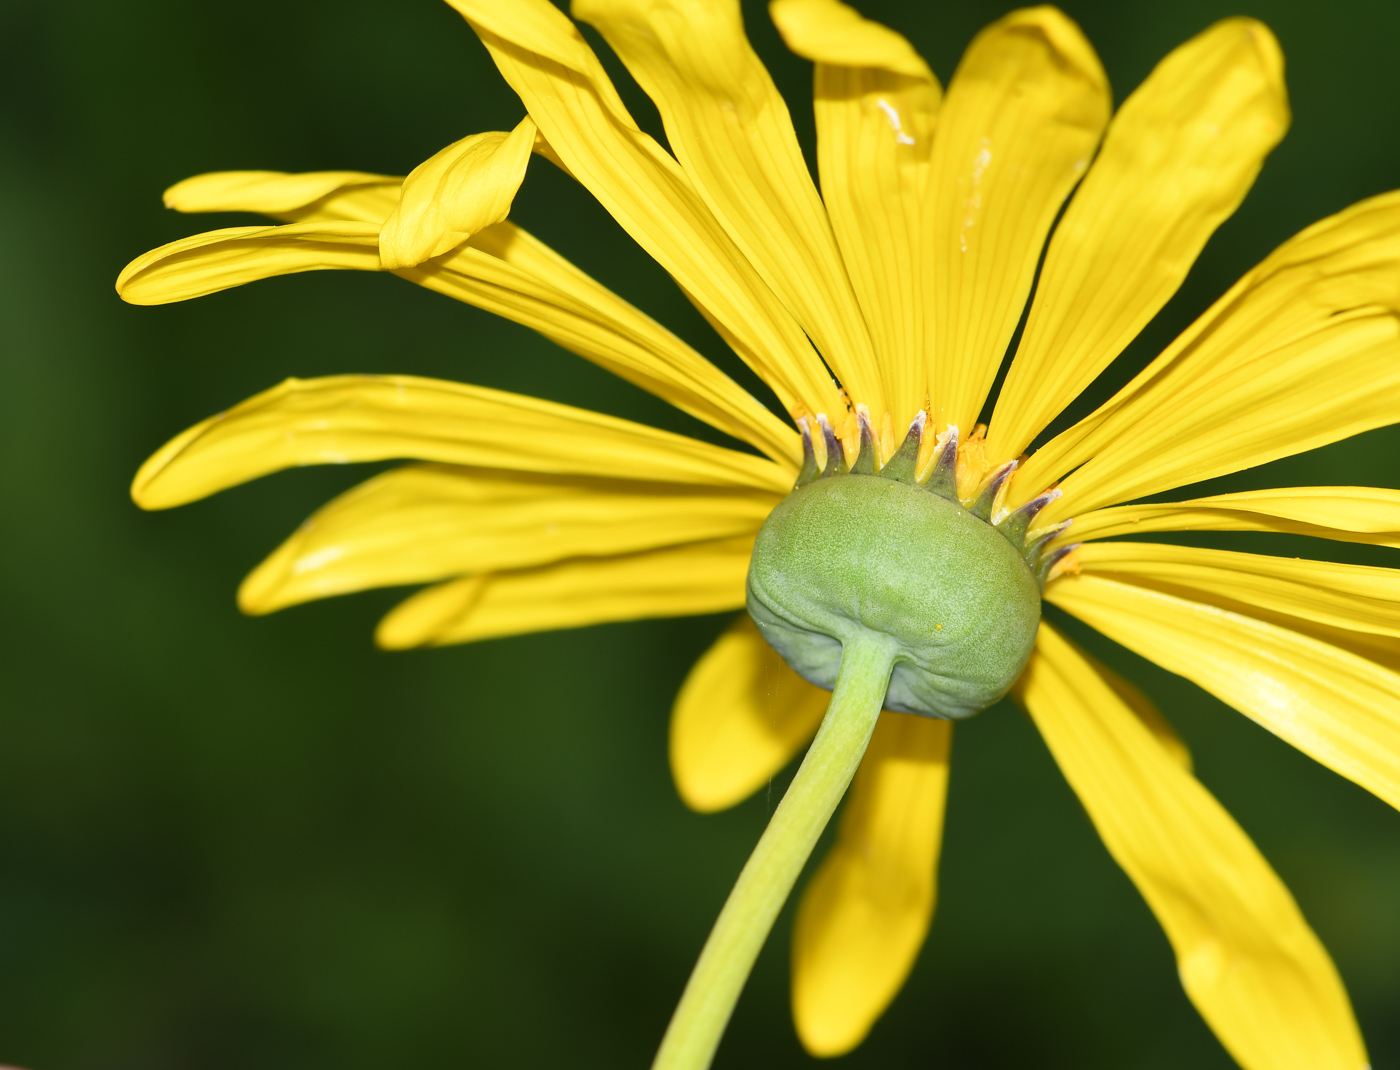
(768, 876)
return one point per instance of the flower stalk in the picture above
(767, 878)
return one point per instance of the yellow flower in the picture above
(887, 301)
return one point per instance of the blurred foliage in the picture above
(229, 843)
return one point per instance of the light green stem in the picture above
(768, 876)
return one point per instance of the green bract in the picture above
(848, 557)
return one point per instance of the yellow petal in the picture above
(1335, 706)
(864, 914)
(876, 104)
(206, 263)
(1019, 124)
(739, 718)
(449, 197)
(1248, 959)
(1354, 597)
(512, 274)
(1346, 514)
(508, 273)
(1245, 409)
(345, 418)
(730, 129)
(545, 149)
(309, 197)
(1384, 650)
(830, 32)
(1302, 351)
(1177, 160)
(705, 577)
(1147, 712)
(422, 523)
(569, 96)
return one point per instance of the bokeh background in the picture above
(230, 842)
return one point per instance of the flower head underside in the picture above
(879, 303)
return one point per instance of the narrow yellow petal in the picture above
(876, 105)
(1354, 597)
(422, 523)
(308, 197)
(449, 197)
(1177, 160)
(830, 32)
(864, 914)
(206, 263)
(740, 717)
(1023, 114)
(705, 577)
(1300, 352)
(1362, 510)
(508, 272)
(1339, 380)
(731, 131)
(1147, 712)
(1248, 959)
(345, 418)
(569, 96)
(1333, 705)
(1345, 514)
(545, 149)
(1384, 650)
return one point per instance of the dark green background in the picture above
(230, 842)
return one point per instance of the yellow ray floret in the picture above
(309, 197)
(572, 100)
(1354, 597)
(453, 194)
(835, 34)
(1248, 960)
(876, 104)
(509, 272)
(1178, 158)
(867, 909)
(1147, 712)
(1346, 514)
(740, 716)
(505, 271)
(1384, 650)
(1300, 352)
(679, 581)
(346, 418)
(423, 523)
(730, 129)
(1022, 117)
(217, 260)
(1339, 708)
